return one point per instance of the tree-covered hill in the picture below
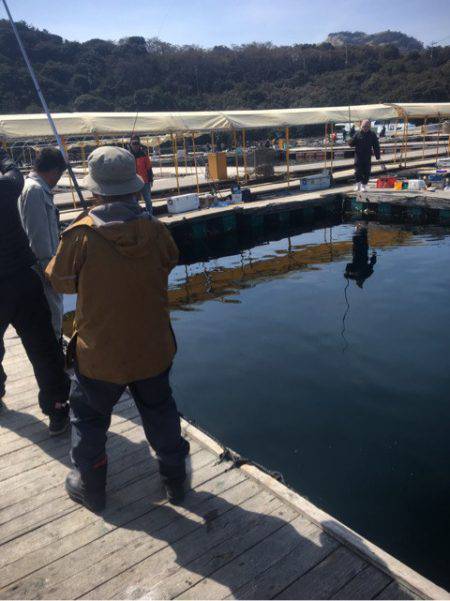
(148, 74)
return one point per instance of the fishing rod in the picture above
(45, 107)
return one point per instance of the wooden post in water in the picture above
(175, 161)
(195, 162)
(288, 175)
(236, 155)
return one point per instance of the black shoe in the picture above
(88, 490)
(2, 406)
(175, 491)
(58, 423)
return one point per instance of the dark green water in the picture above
(344, 391)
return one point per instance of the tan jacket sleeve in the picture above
(64, 269)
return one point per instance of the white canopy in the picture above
(91, 124)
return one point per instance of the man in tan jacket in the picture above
(118, 258)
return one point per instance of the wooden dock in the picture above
(240, 534)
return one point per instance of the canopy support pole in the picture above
(70, 180)
(175, 161)
(438, 138)
(213, 142)
(185, 155)
(406, 139)
(288, 174)
(244, 154)
(332, 149)
(424, 128)
(83, 158)
(395, 140)
(325, 147)
(236, 155)
(159, 156)
(195, 163)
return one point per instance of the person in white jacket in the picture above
(40, 220)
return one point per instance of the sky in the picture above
(225, 22)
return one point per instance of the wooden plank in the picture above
(415, 582)
(307, 553)
(183, 541)
(140, 518)
(396, 591)
(365, 585)
(324, 580)
(242, 559)
(121, 472)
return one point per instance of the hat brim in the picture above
(130, 186)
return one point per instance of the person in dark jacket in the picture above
(364, 142)
(24, 306)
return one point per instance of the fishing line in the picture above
(45, 106)
(345, 317)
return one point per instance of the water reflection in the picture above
(221, 278)
(361, 266)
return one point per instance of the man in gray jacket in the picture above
(40, 220)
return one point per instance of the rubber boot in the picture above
(173, 479)
(88, 488)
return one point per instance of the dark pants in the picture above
(362, 170)
(92, 402)
(24, 306)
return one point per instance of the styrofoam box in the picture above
(315, 182)
(416, 184)
(183, 203)
(443, 163)
(236, 198)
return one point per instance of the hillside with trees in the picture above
(148, 74)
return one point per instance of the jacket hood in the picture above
(126, 225)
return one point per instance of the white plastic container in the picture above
(183, 203)
(416, 184)
(443, 163)
(320, 181)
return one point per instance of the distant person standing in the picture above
(364, 142)
(40, 220)
(144, 169)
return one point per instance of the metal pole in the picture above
(438, 138)
(185, 156)
(236, 155)
(287, 157)
(44, 105)
(332, 149)
(424, 127)
(325, 146)
(175, 161)
(195, 162)
(244, 154)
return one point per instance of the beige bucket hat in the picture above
(112, 172)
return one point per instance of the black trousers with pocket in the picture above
(91, 405)
(363, 169)
(24, 306)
